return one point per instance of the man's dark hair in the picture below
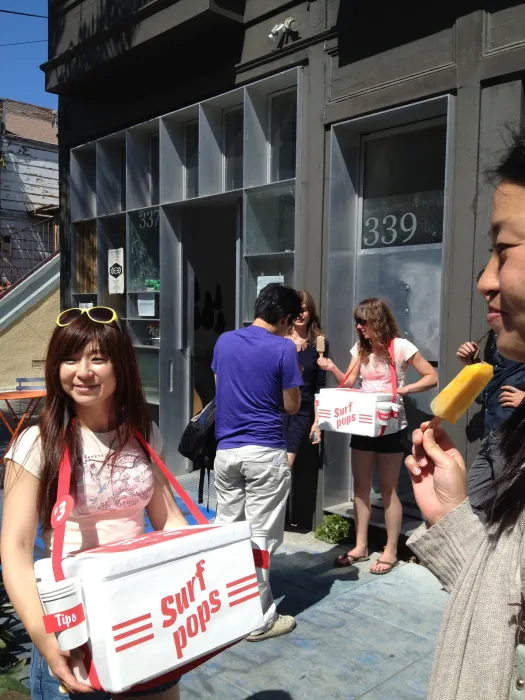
(277, 301)
(512, 165)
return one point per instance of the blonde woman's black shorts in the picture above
(392, 443)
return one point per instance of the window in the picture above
(154, 156)
(283, 135)
(403, 187)
(233, 148)
(191, 159)
(122, 171)
(5, 246)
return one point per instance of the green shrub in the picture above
(333, 529)
(12, 644)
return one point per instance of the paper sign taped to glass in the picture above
(116, 271)
(357, 412)
(264, 280)
(147, 609)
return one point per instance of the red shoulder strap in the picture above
(64, 503)
(393, 370)
(181, 493)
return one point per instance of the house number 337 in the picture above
(392, 231)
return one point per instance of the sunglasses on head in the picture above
(98, 314)
(360, 321)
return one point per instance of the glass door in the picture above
(387, 233)
(400, 247)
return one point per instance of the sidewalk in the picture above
(357, 636)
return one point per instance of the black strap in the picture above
(202, 467)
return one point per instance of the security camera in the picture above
(289, 26)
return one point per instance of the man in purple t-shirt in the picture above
(257, 372)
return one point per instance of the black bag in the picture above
(198, 444)
(198, 439)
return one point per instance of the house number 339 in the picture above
(394, 231)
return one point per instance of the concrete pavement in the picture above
(357, 636)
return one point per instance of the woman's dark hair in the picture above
(57, 425)
(314, 324)
(506, 500)
(384, 325)
(277, 301)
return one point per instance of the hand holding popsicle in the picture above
(436, 467)
(438, 473)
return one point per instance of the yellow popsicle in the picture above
(452, 401)
(320, 345)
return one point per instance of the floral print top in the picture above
(112, 492)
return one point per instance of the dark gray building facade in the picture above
(210, 146)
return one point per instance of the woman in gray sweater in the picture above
(482, 566)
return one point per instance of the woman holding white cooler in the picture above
(94, 403)
(379, 338)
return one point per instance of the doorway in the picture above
(210, 235)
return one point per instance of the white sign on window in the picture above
(264, 280)
(116, 271)
(146, 305)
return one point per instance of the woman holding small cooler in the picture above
(94, 405)
(378, 348)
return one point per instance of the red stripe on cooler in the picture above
(241, 590)
(131, 632)
(133, 621)
(243, 600)
(241, 580)
(135, 643)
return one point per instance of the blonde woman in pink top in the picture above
(94, 403)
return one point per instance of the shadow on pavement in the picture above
(303, 579)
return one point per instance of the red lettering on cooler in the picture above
(197, 623)
(346, 420)
(58, 622)
(173, 607)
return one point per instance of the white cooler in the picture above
(357, 412)
(158, 602)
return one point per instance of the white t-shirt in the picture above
(375, 374)
(110, 498)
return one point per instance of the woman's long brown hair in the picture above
(57, 425)
(384, 328)
(314, 325)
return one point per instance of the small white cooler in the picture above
(357, 412)
(158, 602)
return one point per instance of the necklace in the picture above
(301, 343)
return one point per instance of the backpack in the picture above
(199, 445)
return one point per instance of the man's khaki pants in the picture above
(253, 484)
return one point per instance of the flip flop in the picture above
(344, 560)
(391, 565)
